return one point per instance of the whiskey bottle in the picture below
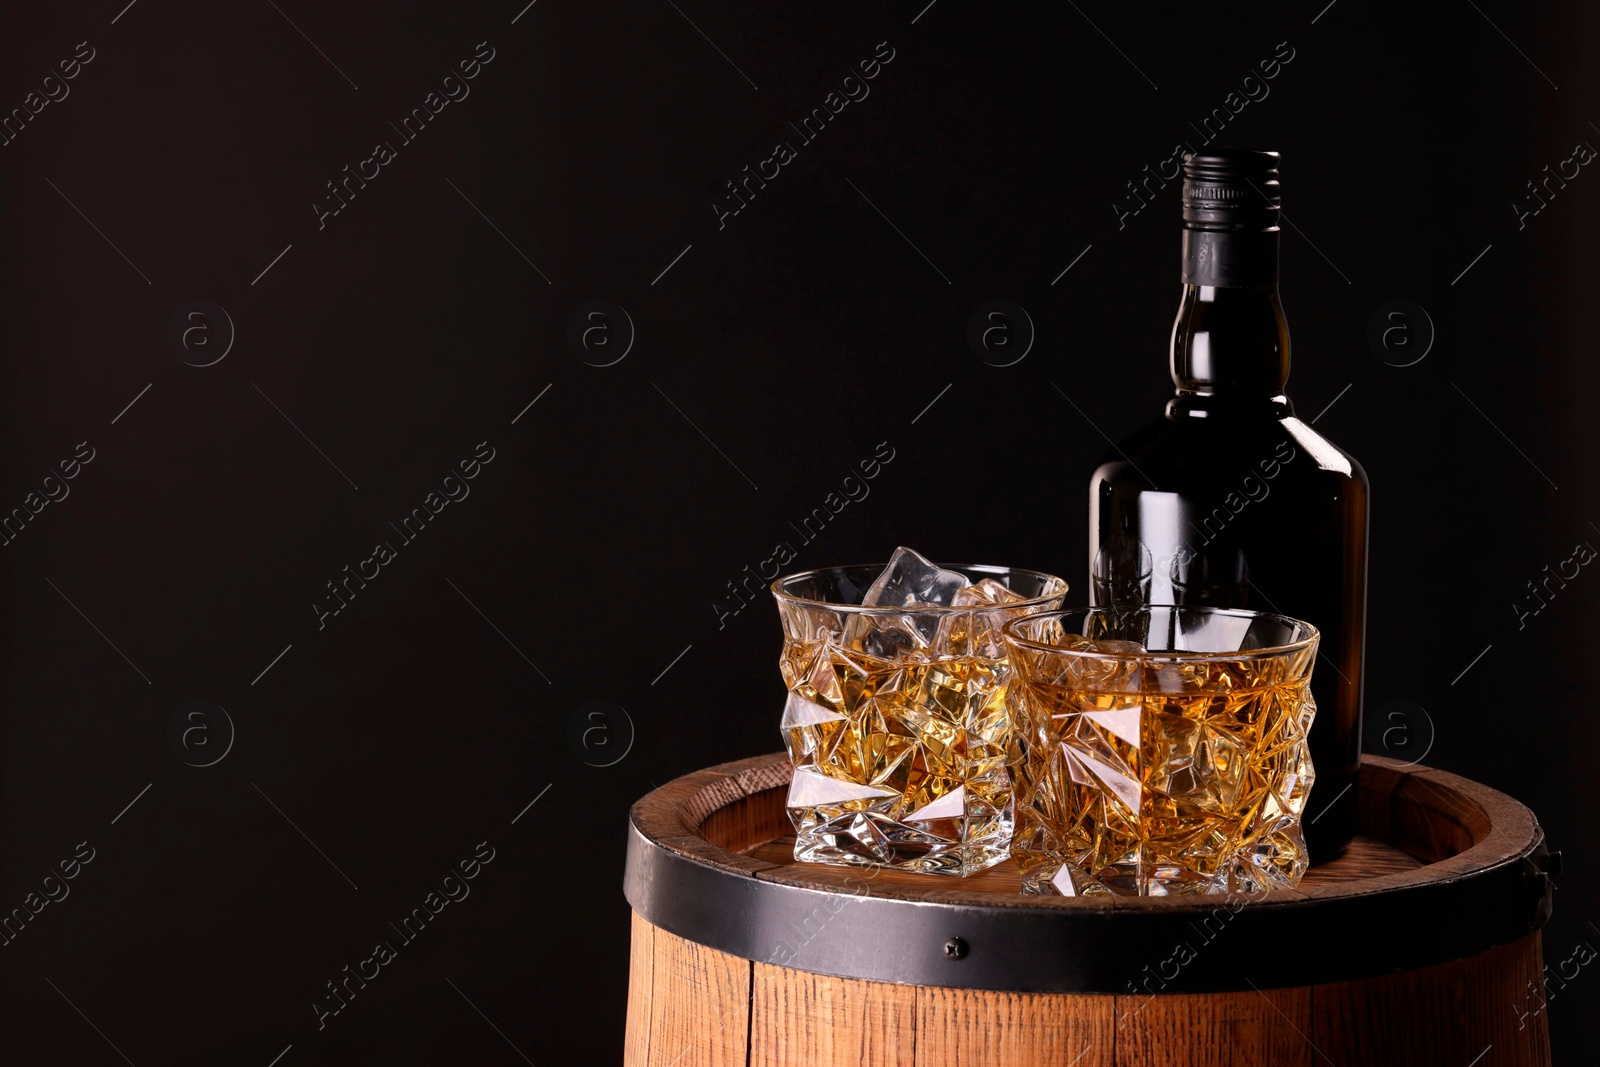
(1231, 500)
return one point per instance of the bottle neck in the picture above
(1230, 342)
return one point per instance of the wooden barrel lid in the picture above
(1444, 869)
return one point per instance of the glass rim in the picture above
(1010, 632)
(983, 570)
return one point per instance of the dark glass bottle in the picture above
(1229, 499)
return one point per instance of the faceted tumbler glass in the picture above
(897, 723)
(1164, 750)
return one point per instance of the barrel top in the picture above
(1444, 868)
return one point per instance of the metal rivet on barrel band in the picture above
(955, 949)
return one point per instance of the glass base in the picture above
(1279, 862)
(959, 847)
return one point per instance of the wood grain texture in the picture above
(693, 1009)
(747, 823)
(689, 1005)
(641, 991)
(799, 1018)
(1251, 1029)
(976, 1028)
(1483, 1010)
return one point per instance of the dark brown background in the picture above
(797, 338)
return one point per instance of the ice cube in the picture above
(1106, 666)
(887, 637)
(1115, 648)
(978, 633)
(909, 579)
(986, 592)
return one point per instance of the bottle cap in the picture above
(1231, 189)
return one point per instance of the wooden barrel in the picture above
(1419, 945)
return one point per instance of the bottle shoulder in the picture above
(1188, 451)
(1327, 455)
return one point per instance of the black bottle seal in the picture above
(1231, 204)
